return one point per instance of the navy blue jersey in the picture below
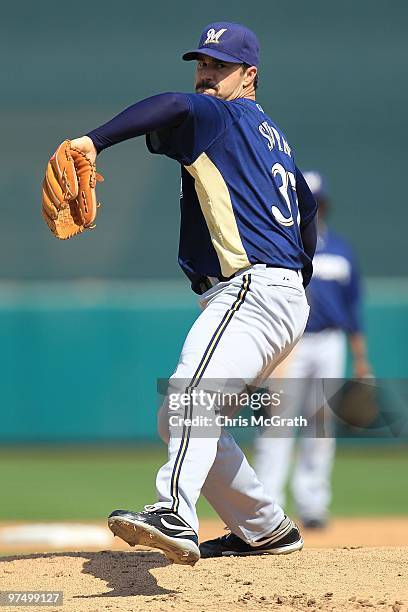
(239, 202)
(334, 291)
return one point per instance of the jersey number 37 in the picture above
(288, 185)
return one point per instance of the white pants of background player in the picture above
(248, 325)
(316, 356)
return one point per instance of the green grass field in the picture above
(87, 483)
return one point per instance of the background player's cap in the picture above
(228, 42)
(316, 183)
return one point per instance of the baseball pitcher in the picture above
(247, 240)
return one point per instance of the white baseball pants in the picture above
(248, 325)
(317, 356)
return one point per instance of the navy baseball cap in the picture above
(228, 42)
(316, 183)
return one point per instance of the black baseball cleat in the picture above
(158, 528)
(314, 523)
(283, 540)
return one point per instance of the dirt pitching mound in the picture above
(313, 579)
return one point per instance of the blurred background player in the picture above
(334, 299)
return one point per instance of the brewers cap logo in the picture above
(213, 36)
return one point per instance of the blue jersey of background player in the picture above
(243, 199)
(334, 291)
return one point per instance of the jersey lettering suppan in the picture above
(239, 203)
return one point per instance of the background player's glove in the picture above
(68, 192)
(358, 403)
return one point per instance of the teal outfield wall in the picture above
(79, 361)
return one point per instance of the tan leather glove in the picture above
(68, 192)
